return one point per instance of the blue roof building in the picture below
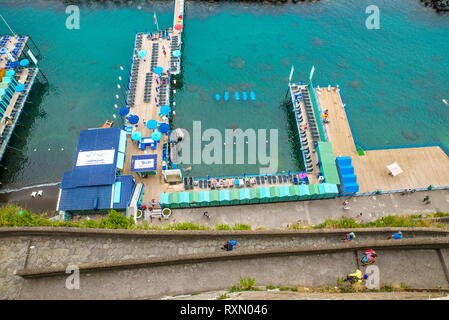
(95, 184)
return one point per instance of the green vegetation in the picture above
(281, 288)
(246, 284)
(360, 151)
(223, 296)
(388, 221)
(13, 216)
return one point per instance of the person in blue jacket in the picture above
(398, 235)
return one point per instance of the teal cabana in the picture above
(174, 200)
(194, 199)
(214, 198)
(244, 196)
(184, 199)
(284, 193)
(234, 196)
(254, 193)
(314, 192)
(274, 194)
(264, 194)
(329, 190)
(294, 192)
(204, 198)
(164, 200)
(225, 197)
(304, 192)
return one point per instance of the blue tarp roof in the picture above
(96, 197)
(94, 175)
(145, 162)
(126, 191)
(86, 198)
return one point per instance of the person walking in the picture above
(426, 200)
(206, 215)
(397, 235)
(349, 237)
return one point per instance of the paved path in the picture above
(280, 215)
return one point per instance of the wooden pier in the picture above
(422, 166)
(148, 109)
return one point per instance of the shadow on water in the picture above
(14, 158)
(293, 136)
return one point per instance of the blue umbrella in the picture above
(165, 110)
(156, 136)
(152, 124)
(24, 62)
(20, 87)
(158, 70)
(164, 127)
(176, 53)
(142, 53)
(123, 111)
(133, 119)
(136, 135)
(10, 73)
(15, 64)
(3, 50)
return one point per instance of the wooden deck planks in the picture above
(422, 166)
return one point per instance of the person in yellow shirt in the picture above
(356, 277)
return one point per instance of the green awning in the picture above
(274, 194)
(173, 197)
(264, 194)
(304, 191)
(234, 194)
(294, 192)
(330, 173)
(204, 198)
(214, 197)
(184, 199)
(194, 197)
(164, 199)
(244, 195)
(284, 193)
(314, 192)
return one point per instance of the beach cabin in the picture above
(95, 184)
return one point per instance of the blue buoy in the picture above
(252, 94)
(217, 97)
(237, 96)
(244, 96)
(226, 95)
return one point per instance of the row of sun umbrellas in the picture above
(134, 119)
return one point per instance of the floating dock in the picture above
(422, 166)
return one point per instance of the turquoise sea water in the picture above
(393, 79)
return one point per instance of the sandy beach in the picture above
(44, 204)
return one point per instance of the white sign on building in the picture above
(97, 157)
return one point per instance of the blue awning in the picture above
(142, 163)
